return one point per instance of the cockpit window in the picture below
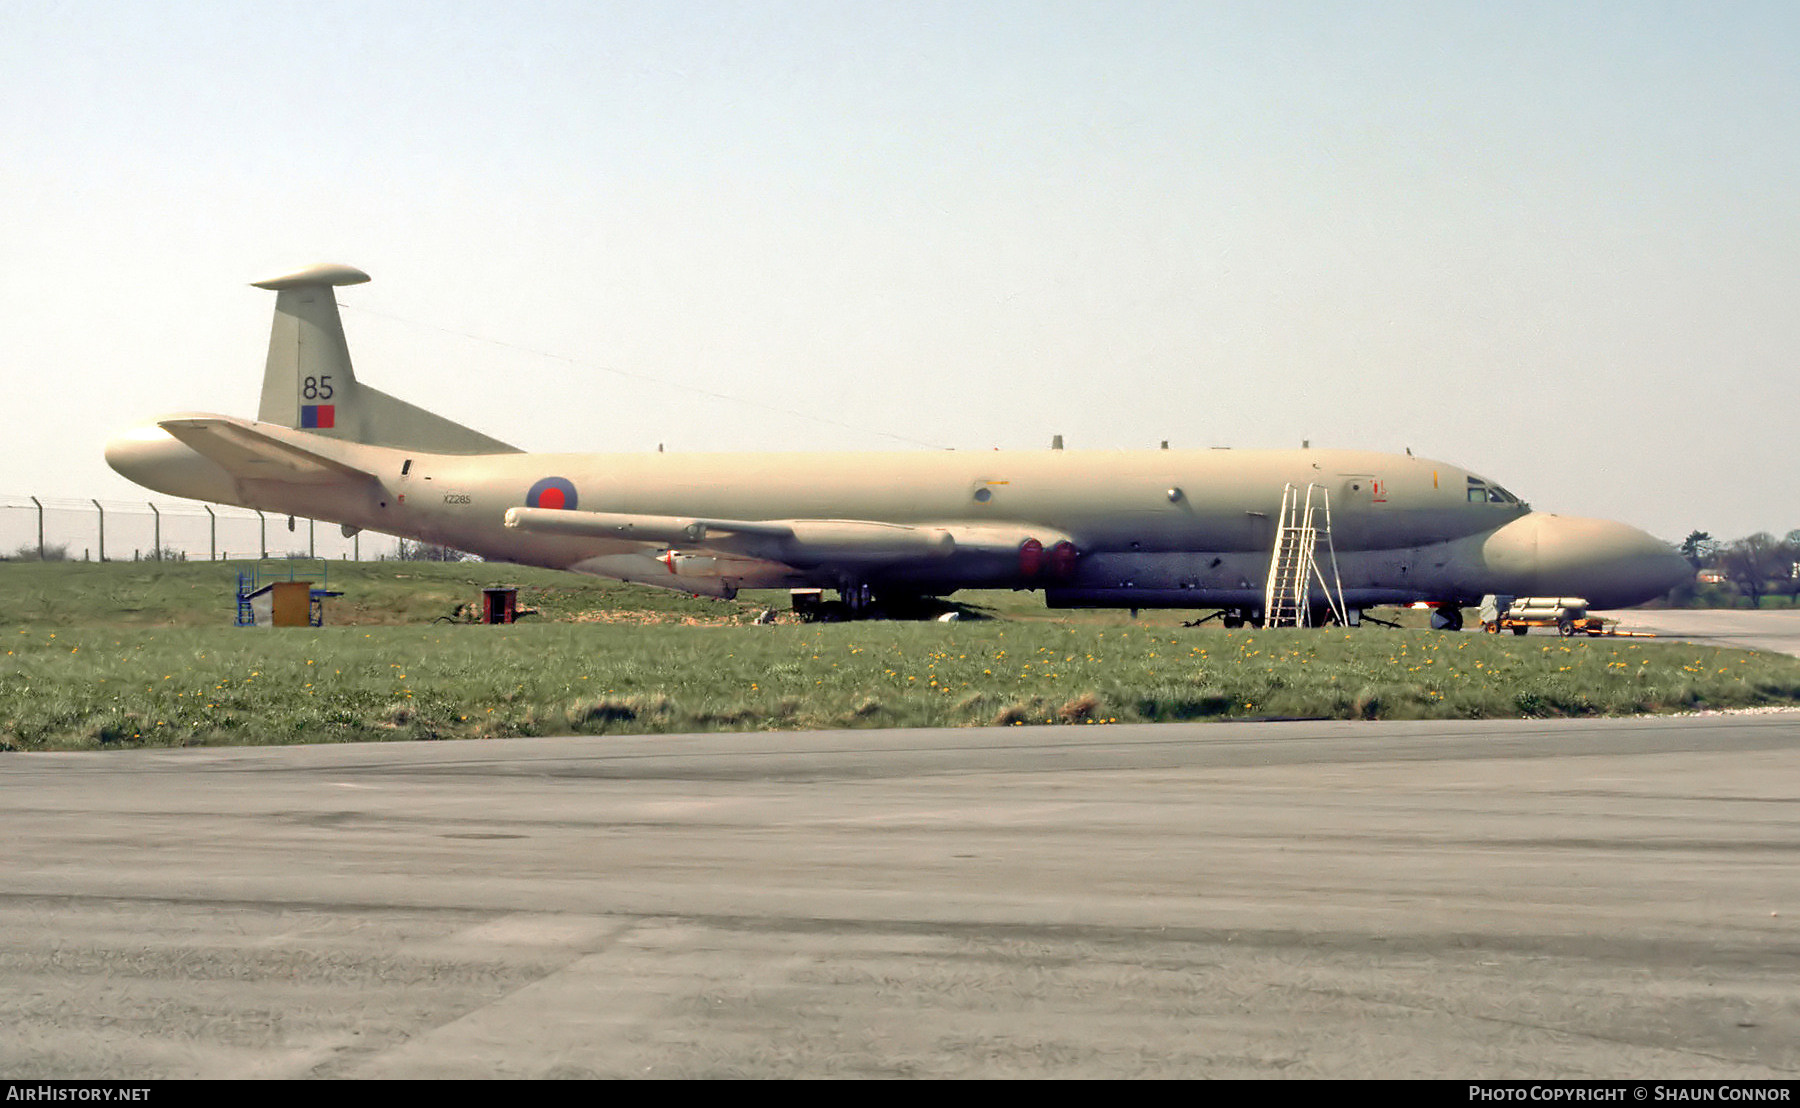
(1480, 492)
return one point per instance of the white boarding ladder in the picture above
(1294, 563)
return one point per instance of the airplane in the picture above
(1191, 529)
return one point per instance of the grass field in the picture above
(105, 656)
(203, 594)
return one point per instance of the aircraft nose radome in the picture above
(1611, 564)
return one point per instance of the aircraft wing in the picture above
(795, 542)
(798, 542)
(246, 452)
(664, 530)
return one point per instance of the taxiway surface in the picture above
(1776, 631)
(1517, 899)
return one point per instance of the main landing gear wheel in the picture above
(1451, 614)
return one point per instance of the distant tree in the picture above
(53, 552)
(430, 552)
(1754, 563)
(1698, 548)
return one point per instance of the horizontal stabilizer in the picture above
(246, 452)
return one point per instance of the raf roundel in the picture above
(552, 492)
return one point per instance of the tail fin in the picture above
(308, 383)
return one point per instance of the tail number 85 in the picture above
(316, 388)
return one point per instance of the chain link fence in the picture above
(135, 530)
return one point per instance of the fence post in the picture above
(212, 534)
(40, 508)
(102, 512)
(156, 532)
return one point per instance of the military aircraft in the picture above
(1157, 528)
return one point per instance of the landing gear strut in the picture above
(858, 599)
(859, 602)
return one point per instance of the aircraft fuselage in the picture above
(1165, 528)
(1162, 528)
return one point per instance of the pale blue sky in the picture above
(1557, 243)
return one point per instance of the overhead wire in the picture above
(644, 377)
